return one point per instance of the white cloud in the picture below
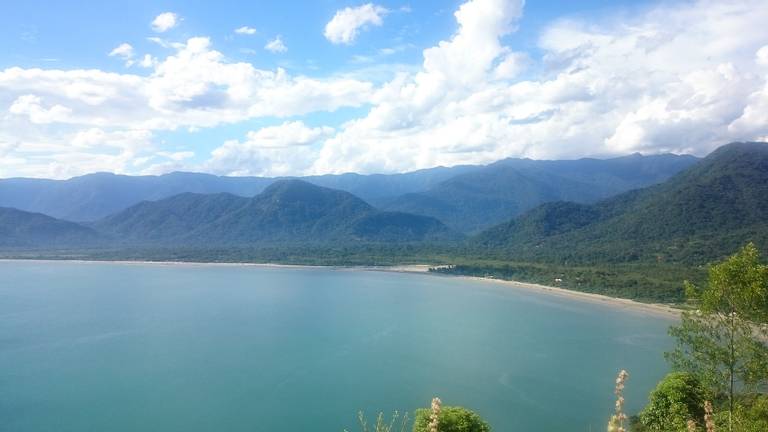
(32, 107)
(344, 27)
(132, 140)
(674, 77)
(177, 156)
(762, 56)
(124, 51)
(164, 22)
(147, 61)
(606, 87)
(276, 45)
(165, 43)
(194, 87)
(274, 150)
(245, 30)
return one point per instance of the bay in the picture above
(148, 347)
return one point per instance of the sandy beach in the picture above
(649, 308)
(655, 309)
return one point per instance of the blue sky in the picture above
(370, 87)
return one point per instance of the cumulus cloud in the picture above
(164, 22)
(33, 108)
(677, 77)
(194, 87)
(147, 61)
(245, 30)
(275, 150)
(124, 51)
(674, 77)
(347, 23)
(276, 45)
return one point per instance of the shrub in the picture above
(451, 419)
(677, 398)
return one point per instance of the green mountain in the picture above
(287, 212)
(94, 196)
(701, 214)
(170, 218)
(20, 229)
(467, 197)
(479, 199)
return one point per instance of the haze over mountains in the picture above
(20, 229)
(481, 198)
(466, 198)
(704, 209)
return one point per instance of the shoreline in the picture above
(656, 309)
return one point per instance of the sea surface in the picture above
(147, 347)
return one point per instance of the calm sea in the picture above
(113, 347)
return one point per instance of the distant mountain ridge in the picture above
(467, 198)
(20, 229)
(698, 215)
(479, 199)
(94, 196)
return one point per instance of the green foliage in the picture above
(750, 415)
(740, 284)
(677, 398)
(659, 283)
(451, 419)
(723, 343)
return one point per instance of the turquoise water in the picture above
(111, 347)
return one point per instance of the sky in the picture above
(312, 87)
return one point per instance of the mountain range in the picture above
(466, 198)
(690, 212)
(475, 200)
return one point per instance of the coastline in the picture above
(655, 309)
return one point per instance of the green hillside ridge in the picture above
(170, 218)
(287, 212)
(480, 199)
(701, 214)
(20, 229)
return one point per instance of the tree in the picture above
(723, 342)
(451, 419)
(677, 398)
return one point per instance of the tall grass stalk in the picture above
(709, 418)
(434, 418)
(616, 424)
(381, 425)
